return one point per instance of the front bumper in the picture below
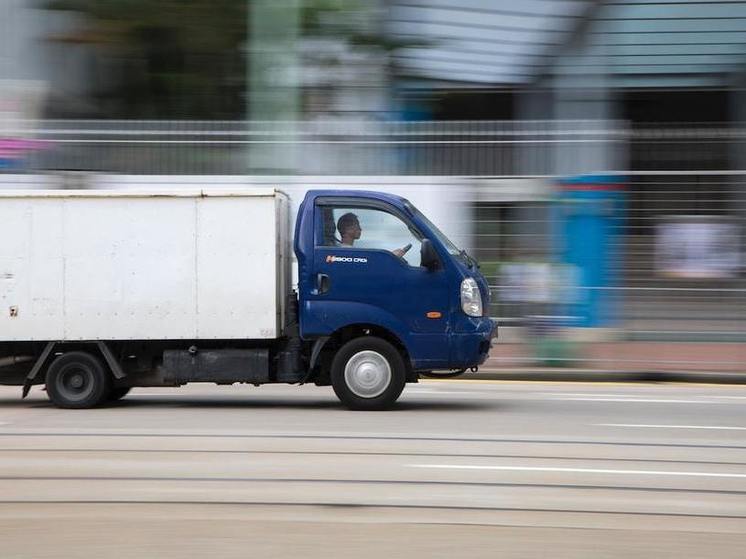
(471, 345)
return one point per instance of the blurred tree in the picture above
(187, 58)
(164, 58)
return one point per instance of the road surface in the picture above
(457, 469)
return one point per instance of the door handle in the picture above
(322, 283)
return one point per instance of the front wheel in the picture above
(368, 373)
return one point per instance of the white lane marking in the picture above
(649, 400)
(438, 392)
(652, 426)
(587, 395)
(574, 470)
(626, 396)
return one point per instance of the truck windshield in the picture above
(450, 247)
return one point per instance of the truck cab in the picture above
(380, 287)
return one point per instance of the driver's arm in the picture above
(401, 251)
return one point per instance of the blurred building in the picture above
(650, 89)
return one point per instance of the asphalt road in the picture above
(458, 469)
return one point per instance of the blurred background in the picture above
(591, 154)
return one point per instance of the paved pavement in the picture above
(575, 374)
(624, 357)
(465, 469)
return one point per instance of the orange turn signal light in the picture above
(434, 314)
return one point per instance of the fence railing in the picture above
(474, 148)
(451, 148)
(674, 291)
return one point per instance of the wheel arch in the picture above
(332, 343)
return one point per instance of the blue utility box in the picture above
(588, 220)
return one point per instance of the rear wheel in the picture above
(368, 373)
(77, 380)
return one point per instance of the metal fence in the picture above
(674, 293)
(363, 148)
(676, 288)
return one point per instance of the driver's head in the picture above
(348, 226)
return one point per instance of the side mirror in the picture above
(428, 257)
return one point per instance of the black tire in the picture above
(118, 393)
(77, 380)
(376, 375)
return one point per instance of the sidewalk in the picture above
(539, 374)
(623, 361)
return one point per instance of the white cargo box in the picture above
(124, 265)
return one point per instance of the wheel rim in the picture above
(367, 374)
(75, 383)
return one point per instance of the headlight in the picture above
(471, 299)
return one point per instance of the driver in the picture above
(349, 229)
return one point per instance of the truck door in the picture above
(366, 268)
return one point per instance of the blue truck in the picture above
(114, 290)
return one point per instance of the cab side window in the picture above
(370, 228)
